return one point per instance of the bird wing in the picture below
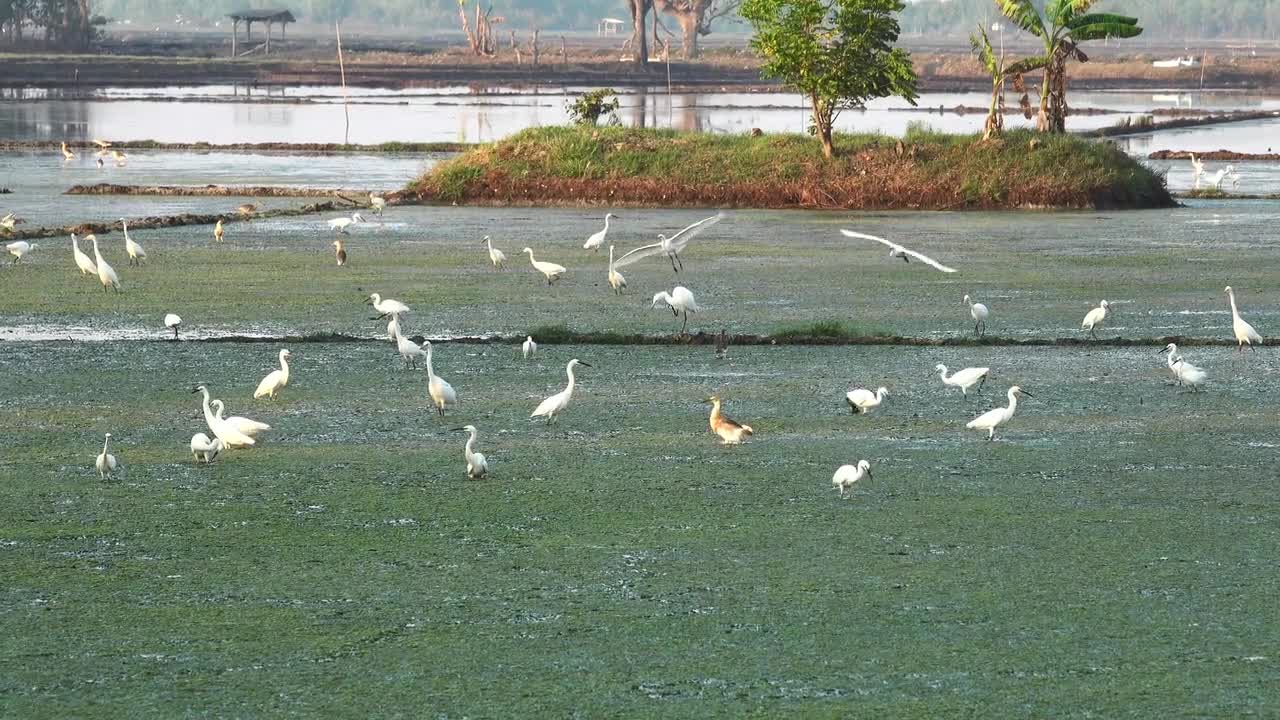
(638, 254)
(859, 396)
(680, 240)
(985, 419)
(906, 251)
(546, 406)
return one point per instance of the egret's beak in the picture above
(456, 429)
(1161, 352)
(1024, 392)
(584, 364)
(869, 475)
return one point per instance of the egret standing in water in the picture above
(106, 274)
(670, 247)
(847, 475)
(594, 242)
(864, 400)
(408, 349)
(67, 154)
(19, 249)
(339, 253)
(251, 428)
(979, 313)
(106, 463)
(556, 404)
(341, 224)
(172, 321)
(217, 231)
(1244, 332)
(898, 251)
(496, 256)
(1197, 169)
(377, 204)
(552, 271)
(82, 261)
(137, 255)
(1094, 319)
(1189, 375)
(388, 306)
(680, 300)
(964, 379)
(616, 281)
(203, 447)
(529, 348)
(730, 431)
(992, 419)
(276, 380)
(477, 465)
(441, 392)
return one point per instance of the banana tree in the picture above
(1063, 26)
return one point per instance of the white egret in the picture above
(496, 256)
(847, 475)
(441, 392)
(1215, 180)
(103, 144)
(1189, 375)
(217, 231)
(388, 306)
(339, 253)
(106, 274)
(1094, 319)
(594, 242)
(864, 400)
(992, 419)
(551, 270)
(477, 465)
(137, 255)
(1244, 332)
(393, 327)
(408, 349)
(529, 347)
(229, 435)
(680, 300)
(252, 428)
(119, 157)
(106, 463)
(616, 281)
(730, 431)
(19, 249)
(172, 321)
(556, 404)
(898, 251)
(979, 313)
(1197, 169)
(8, 222)
(275, 380)
(341, 224)
(203, 447)
(964, 379)
(670, 247)
(67, 154)
(82, 261)
(377, 204)
(1182, 370)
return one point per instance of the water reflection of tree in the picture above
(657, 108)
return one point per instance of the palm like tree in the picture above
(1063, 26)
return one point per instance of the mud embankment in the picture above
(160, 221)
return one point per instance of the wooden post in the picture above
(268, 51)
(235, 31)
(346, 105)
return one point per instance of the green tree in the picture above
(1063, 26)
(838, 53)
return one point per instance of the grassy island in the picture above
(924, 170)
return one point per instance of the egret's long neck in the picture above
(284, 363)
(880, 395)
(942, 372)
(430, 373)
(221, 409)
(99, 256)
(1232, 297)
(471, 441)
(715, 410)
(124, 227)
(208, 414)
(606, 223)
(610, 251)
(105, 443)
(569, 370)
(1013, 401)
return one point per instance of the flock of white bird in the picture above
(239, 432)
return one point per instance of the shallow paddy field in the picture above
(755, 272)
(1112, 554)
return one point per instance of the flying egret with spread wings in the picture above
(898, 251)
(670, 247)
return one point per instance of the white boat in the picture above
(1187, 61)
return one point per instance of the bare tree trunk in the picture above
(515, 47)
(639, 43)
(533, 47)
(689, 24)
(822, 121)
